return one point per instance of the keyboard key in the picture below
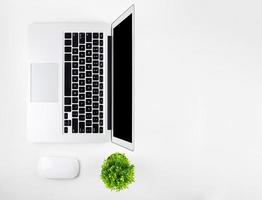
(82, 61)
(88, 122)
(65, 130)
(81, 75)
(82, 54)
(95, 98)
(95, 77)
(89, 45)
(101, 93)
(67, 42)
(101, 35)
(81, 110)
(75, 65)
(89, 59)
(67, 123)
(95, 63)
(75, 51)
(101, 100)
(81, 82)
(75, 72)
(101, 78)
(101, 114)
(95, 119)
(88, 87)
(101, 122)
(82, 89)
(88, 94)
(95, 70)
(101, 107)
(88, 116)
(75, 100)
(75, 39)
(88, 37)
(95, 49)
(67, 49)
(75, 107)
(82, 38)
(81, 68)
(68, 35)
(101, 42)
(75, 58)
(75, 86)
(88, 66)
(101, 86)
(75, 93)
(88, 130)
(75, 79)
(95, 84)
(81, 96)
(74, 125)
(67, 108)
(81, 47)
(66, 116)
(74, 114)
(95, 56)
(81, 117)
(88, 52)
(101, 71)
(101, 64)
(101, 130)
(81, 127)
(67, 101)
(81, 103)
(101, 57)
(88, 108)
(67, 57)
(95, 112)
(101, 50)
(95, 91)
(95, 105)
(67, 79)
(88, 73)
(88, 101)
(95, 128)
(95, 35)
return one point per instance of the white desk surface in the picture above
(198, 102)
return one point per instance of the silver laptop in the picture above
(81, 86)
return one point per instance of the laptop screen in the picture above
(122, 80)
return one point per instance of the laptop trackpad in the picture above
(44, 82)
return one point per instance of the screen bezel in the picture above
(128, 145)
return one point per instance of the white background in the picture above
(198, 102)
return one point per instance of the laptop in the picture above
(81, 83)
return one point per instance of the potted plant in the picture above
(117, 173)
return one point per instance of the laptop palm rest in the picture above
(44, 82)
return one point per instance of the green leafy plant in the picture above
(117, 173)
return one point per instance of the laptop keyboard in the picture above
(83, 82)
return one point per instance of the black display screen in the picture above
(122, 80)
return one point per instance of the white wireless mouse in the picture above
(58, 167)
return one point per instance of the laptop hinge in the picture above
(109, 83)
